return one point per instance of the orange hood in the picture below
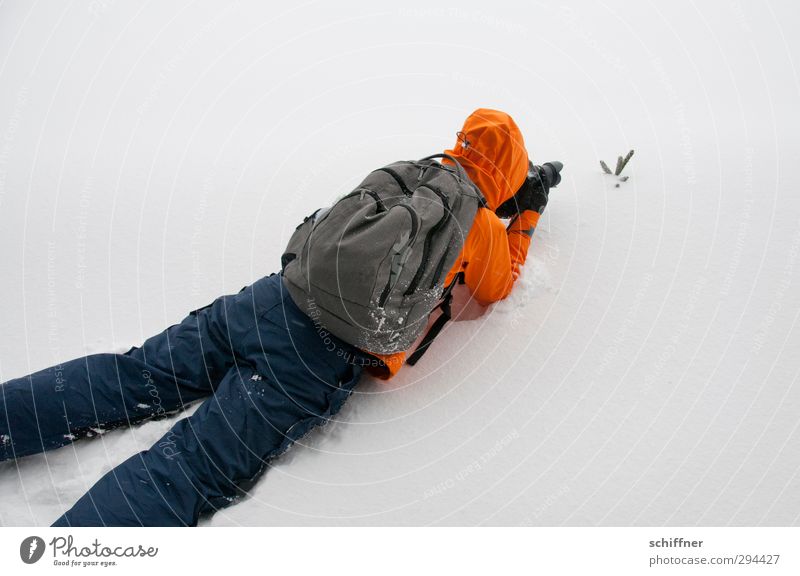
(491, 149)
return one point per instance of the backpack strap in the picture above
(461, 174)
(459, 168)
(436, 327)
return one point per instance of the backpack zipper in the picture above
(362, 191)
(397, 179)
(356, 192)
(411, 239)
(427, 247)
(439, 266)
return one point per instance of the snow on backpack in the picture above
(371, 267)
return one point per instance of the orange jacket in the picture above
(491, 149)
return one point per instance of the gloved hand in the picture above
(534, 192)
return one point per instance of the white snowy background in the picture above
(154, 155)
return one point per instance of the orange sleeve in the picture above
(520, 232)
(495, 254)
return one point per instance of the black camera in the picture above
(533, 193)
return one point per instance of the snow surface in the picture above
(644, 371)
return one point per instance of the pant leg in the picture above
(288, 377)
(55, 406)
(58, 405)
(206, 461)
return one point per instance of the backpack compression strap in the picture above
(436, 327)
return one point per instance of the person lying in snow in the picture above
(283, 354)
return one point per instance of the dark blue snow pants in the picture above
(270, 374)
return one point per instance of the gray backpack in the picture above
(371, 267)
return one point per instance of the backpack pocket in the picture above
(357, 250)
